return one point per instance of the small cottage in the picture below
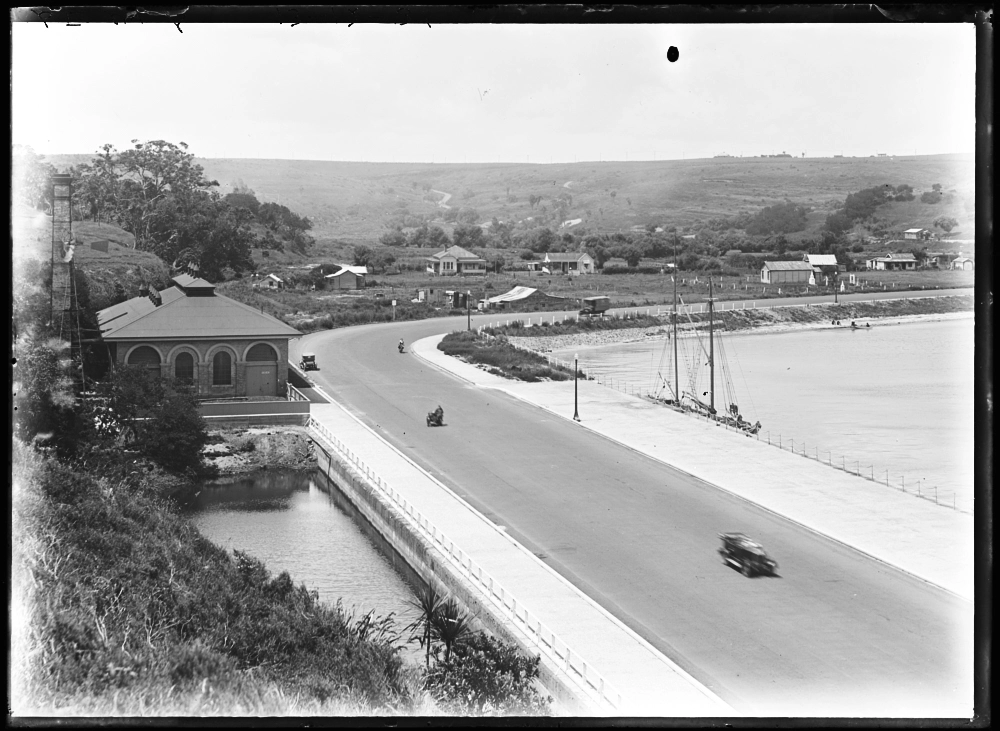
(348, 277)
(917, 234)
(569, 263)
(786, 272)
(455, 261)
(903, 261)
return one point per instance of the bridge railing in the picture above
(540, 635)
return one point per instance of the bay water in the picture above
(891, 401)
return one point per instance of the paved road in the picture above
(836, 633)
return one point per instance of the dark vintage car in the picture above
(747, 556)
(308, 362)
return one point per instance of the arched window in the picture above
(222, 369)
(145, 356)
(184, 367)
(262, 352)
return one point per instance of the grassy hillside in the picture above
(121, 270)
(350, 202)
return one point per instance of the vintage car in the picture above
(308, 362)
(746, 555)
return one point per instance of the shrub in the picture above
(502, 357)
(486, 676)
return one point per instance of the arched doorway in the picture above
(262, 370)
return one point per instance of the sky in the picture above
(496, 93)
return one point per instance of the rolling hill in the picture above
(351, 202)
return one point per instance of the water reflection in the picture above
(300, 523)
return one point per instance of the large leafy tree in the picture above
(131, 184)
(202, 228)
(30, 180)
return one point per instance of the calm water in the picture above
(287, 520)
(896, 397)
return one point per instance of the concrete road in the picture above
(836, 634)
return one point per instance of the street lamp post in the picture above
(576, 387)
(468, 309)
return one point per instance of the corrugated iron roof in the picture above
(355, 270)
(788, 266)
(518, 293)
(822, 260)
(570, 256)
(180, 316)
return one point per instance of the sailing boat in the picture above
(690, 400)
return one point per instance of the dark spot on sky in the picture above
(673, 54)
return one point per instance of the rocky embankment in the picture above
(777, 319)
(233, 451)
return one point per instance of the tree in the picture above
(539, 240)
(467, 236)
(137, 409)
(203, 229)
(243, 200)
(945, 223)
(468, 215)
(44, 395)
(632, 254)
(364, 256)
(437, 237)
(428, 604)
(133, 182)
(394, 237)
(450, 626)
(174, 435)
(30, 178)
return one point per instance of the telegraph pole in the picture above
(576, 387)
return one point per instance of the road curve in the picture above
(837, 634)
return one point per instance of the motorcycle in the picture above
(399, 347)
(436, 417)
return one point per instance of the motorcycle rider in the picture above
(400, 346)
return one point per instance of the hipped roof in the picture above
(458, 253)
(184, 316)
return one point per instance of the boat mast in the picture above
(711, 349)
(677, 388)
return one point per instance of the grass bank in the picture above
(501, 358)
(122, 608)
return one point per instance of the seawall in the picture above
(429, 564)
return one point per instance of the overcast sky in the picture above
(486, 93)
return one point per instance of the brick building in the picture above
(223, 347)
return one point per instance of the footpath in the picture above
(929, 541)
(572, 633)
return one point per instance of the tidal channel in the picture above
(301, 523)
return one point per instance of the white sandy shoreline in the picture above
(550, 343)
